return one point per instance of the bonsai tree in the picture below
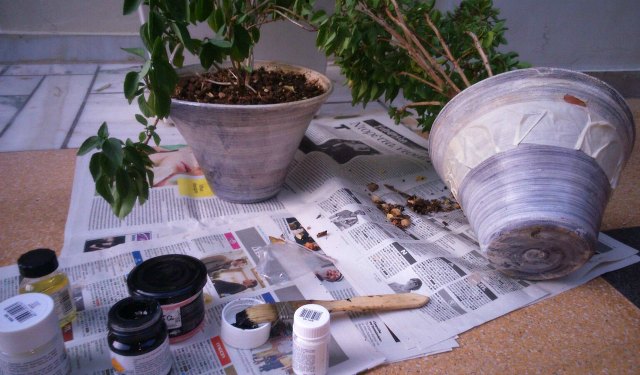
(122, 169)
(387, 46)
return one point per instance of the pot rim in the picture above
(269, 64)
(535, 73)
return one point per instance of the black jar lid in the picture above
(133, 315)
(168, 278)
(37, 263)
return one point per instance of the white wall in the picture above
(583, 35)
(66, 17)
(586, 35)
(576, 34)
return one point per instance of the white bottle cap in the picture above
(27, 321)
(311, 322)
(242, 338)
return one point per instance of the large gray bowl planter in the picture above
(245, 150)
(532, 156)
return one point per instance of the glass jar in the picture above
(138, 339)
(39, 271)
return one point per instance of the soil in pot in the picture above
(266, 87)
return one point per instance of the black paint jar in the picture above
(176, 282)
(138, 338)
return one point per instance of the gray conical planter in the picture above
(245, 150)
(532, 156)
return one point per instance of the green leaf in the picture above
(178, 9)
(136, 51)
(216, 20)
(319, 17)
(132, 155)
(144, 107)
(183, 34)
(158, 52)
(203, 9)
(150, 176)
(144, 36)
(141, 119)
(488, 40)
(241, 43)
(143, 195)
(321, 37)
(255, 35)
(208, 55)
(89, 144)
(94, 165)
(156, 25)
(156, 138)
(103, 131)
(122, 182)
(138, 184)
(219, 43)
(113, 151)
(178, 59)
(160, 102)
(131, 81)
(145, 69)
(163, 77)
(125, 206)
(130, 6)
(146, 149)
(103, 187)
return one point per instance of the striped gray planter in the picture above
(245, 150)
(532, 156)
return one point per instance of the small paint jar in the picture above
(311, 335)
(176, 282)
(30, 338)
(39, 273)
(138, 339)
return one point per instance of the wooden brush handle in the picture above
(385, 302)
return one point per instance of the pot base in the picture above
(536, 209)
(540, 251)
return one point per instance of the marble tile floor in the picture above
(54, 106)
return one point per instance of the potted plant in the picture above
(243, 120)
(388, 47)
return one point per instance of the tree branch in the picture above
(483, 56)
(281, 11)
(420, 79)
(406, 45)
(410, 35)
(149, 133)
(447, 52)
(418, 104)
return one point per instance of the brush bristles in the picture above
(264, 313)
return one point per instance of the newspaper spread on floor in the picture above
(328, 207)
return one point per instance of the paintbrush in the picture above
(271, 312)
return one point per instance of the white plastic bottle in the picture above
(30, 338)
(311, 334)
